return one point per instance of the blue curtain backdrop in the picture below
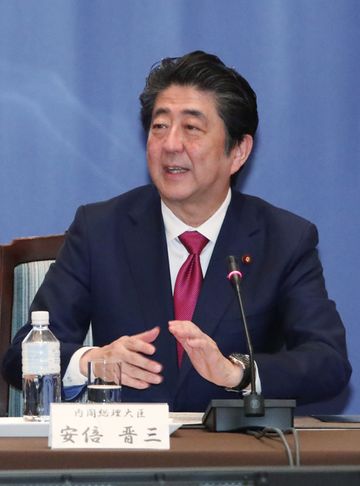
(70, 75)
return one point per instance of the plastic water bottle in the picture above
(40, 369)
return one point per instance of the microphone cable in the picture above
(275, 432)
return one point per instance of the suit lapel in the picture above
(148, 259)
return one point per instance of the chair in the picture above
(23, 265)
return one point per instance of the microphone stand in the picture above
(253, 402)
(253, 411)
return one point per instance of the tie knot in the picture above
(193, 241)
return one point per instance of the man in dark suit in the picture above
(120, 265)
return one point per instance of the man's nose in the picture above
(174, 140)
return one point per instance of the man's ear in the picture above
(240, 153)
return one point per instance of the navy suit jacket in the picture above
(113, 270)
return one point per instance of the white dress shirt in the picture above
(174, 227)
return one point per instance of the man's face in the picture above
(186, 151)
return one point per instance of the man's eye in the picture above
(192, 128)
(158, 126)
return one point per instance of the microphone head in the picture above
(233, 266)
(232, 263)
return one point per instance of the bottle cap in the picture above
(40, 317)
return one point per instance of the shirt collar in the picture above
(210, 228)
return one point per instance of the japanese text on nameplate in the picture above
(110, 425)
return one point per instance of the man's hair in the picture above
(236, 100)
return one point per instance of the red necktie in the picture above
(189, 280)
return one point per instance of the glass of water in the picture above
(104, 380)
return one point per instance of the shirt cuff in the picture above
(247, 390)
(72, 376)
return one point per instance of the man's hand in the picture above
(137, 370)
(205, 355)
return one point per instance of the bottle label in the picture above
(40, 358)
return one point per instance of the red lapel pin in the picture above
(246, 259)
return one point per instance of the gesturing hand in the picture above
(137, 369)
(205, 355)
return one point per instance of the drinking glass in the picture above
(104, 380)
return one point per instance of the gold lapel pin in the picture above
(246, 259)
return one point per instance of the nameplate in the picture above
(109, 426)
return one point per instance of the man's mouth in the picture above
(176, 170)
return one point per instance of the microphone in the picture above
(253, 402)
(253, 411)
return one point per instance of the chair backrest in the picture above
(23, 265)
